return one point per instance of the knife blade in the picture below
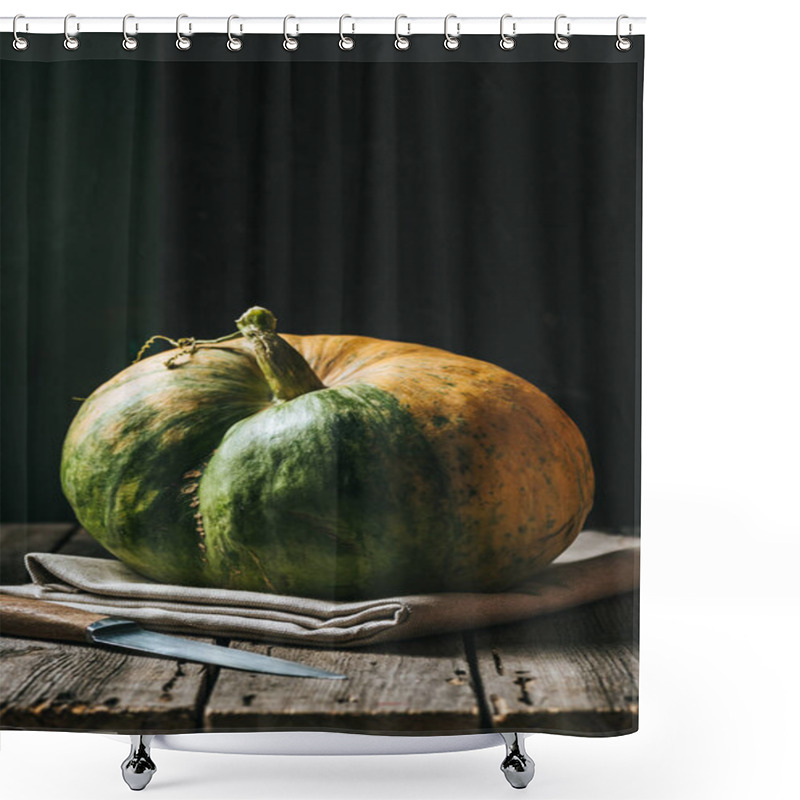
(39, 619)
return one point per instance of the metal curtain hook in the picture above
(20, 42)
(451, 42)
(346, 42)
(129, 42)
(71, 42)
(401, 42)
(182, 42)
(507, 42)
(561, 42)
(234, 44)
(290, 43)
(622, 43)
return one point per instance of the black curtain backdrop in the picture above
(483, 201)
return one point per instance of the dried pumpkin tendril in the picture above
(149, 343)
(186, 346)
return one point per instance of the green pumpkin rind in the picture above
(409, 469)
(134, 439)
(333, 494)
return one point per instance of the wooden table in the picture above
(574, 671)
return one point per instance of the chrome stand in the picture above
(517, 766)
(138, 768)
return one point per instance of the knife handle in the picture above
(38, 619)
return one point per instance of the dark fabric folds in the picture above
(487, 203)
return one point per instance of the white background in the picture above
(720, 715)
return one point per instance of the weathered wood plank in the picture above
(421, 685)
(80, 543)
(56, 685)
(574, 671)
(18, 539)
(71, 687)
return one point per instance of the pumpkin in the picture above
(337, 467)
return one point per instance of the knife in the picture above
(39, 619)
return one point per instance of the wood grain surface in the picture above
(573, 671)
(17, 540)
(421, 685)
(82, 687)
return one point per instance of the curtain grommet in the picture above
(182, 42)
(346, 42)
(452, 42)
(561, 43)
(234, 44)
(71, 42)
(623, 44)
(129, 42)
(507, 42)
(20, 43)
(401, 42)
(290, 43)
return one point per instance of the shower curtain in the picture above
(330, 355)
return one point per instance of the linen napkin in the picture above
(595, 566)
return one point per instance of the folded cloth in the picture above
(595, 566)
